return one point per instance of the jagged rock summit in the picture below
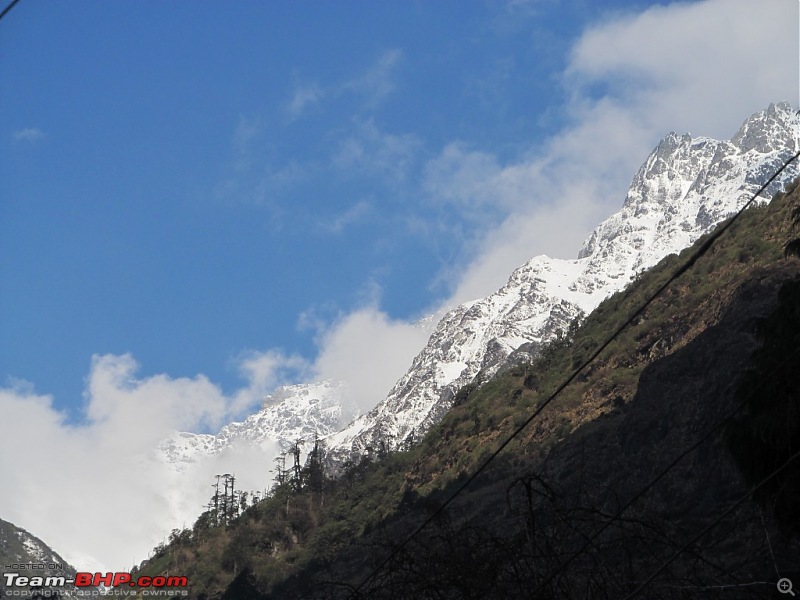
(685, 187)
(290, 413)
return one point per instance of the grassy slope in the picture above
(584, 453)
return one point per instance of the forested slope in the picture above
(685, 423)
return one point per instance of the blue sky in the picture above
(200, 201)
(182, 183)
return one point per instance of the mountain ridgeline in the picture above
(685, 187)
(23, 553)
(664, 470)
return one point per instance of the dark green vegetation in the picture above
(589, 501)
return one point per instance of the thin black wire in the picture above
(711, 526)
(8, 8)
(680, 271)
(686, 452)
(663, 473)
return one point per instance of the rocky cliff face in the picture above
(685, 187)
(669, 464)
(24, 553)
(290, 413)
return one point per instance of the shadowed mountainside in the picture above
(710, 369)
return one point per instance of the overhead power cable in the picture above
(742, 403)
(8, 8)
(711, 526)
(697, 254)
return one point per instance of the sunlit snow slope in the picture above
(685, 187)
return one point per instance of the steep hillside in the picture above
(709, 372)
(685, 187)
(292, 412)
(19, 550)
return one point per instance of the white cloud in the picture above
(475, 183)
(368, 350)
(303, 97)
(93, 491)
(253, 176)
(262, 173)
(353, 214)
(90, 490)
(700, 67)
(124, 404)
(371, 86)
(368, 150)
(28, 135)
(378, 81)
(254, 180)
(265, 371)
(247, 131)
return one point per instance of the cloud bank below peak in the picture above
(697, 67)
(689, 67)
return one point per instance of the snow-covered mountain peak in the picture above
(290, 413)
(685, 187)
(768, 130)
(325, 392)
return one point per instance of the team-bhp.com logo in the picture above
(117, 579)
(156, 586)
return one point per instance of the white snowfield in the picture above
(291, 413)
(685, 187)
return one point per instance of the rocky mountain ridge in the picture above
(684, 424)
(685, 187)
(290, 413)
(20, 548)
